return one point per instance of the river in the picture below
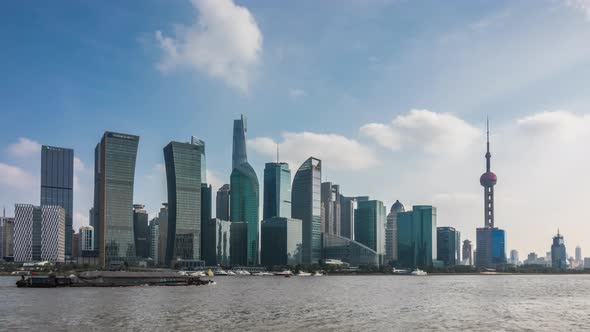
(329, 303)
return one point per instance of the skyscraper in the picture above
(115, 174)
(216, 242)
(306, 206)
(579, 254)
(245, 192)
(490, 240)
(448, 241)
(391, 232)
(281, 241)
(277, 191)
(347, 207)
(222, 205)
(514, 260)
(154, 227)
(558, 253)
(369, 225)
(39, 233)
(57, 183)
(331, 208)
(86, 238)
(7, 238)
(183, 176)
(141, 231)
(467, 252)
(416, 237)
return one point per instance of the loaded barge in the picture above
(112, 279)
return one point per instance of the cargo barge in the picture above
(112, 279)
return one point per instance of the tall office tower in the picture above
(57, 183)
(222, 205)
(7, 238)
(86, 238)
(141, 231)
(514, 257)
(281, 242)
(578, 254)
(391, 232)
(558, 253)
(369, 225)
(448, 242)
(277, 191)
(331, 208)
(416, 237)
(115, 173)
(347, 207)
(245, 192)
(162, 234)
(1, 237)
(206, 201)
(238, 243)
(216, 242)
(76, 245)
(95, 219)
(490, 240)
(183, 175)
(39, 233)
(306, 206)
(154, 227)
(467, 252)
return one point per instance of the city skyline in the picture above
(429, 146)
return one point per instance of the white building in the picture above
(86, 238)
(39, 233)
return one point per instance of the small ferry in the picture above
(418, 272)
(303, 274)
(317, 274)
(220, 273)
(285, 273)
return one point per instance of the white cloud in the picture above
(426, 130)
(17, 178)
(79, 165)
(214, 180)
(24, 148)
(581, 5)
(296, 93)
(80, 219)
(225, 43)
(560, 125)
(337, 152)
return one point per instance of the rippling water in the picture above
(344, 303)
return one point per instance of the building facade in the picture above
(277, 191)
(467, 252)
(347, 207)
(281, 241)
(353, 253)
(369, 225)
(448, 242)
(154, 227)
(141, 231)
(238, 243)
(217, 242)
(331, 208)
(416, 237)
(57, 185)
(222, 205)
(558, 253)
(39, 233)
(116, 157)
(183, 177)
(306, 206)
(7, 238)
(391, 232)
(514, 259)
(86, 238)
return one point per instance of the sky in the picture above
(392, 96)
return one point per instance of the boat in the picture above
(303, 274)
(266, 274)
(230, 273)
(220, 273)
(285, 273)
(242, 272)
(400, 271)
(210, 273)
(418, 272)
(317, 274)
(257, 274)
(198, 274)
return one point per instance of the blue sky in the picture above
(392, 95)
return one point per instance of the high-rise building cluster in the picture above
(304, 220)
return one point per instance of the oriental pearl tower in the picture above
(488, 181)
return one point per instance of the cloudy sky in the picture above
(391, 95)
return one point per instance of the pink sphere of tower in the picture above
(488, 179)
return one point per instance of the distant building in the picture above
(281, 241)
(154, 226)
(162, 234)
(238, 243)
(369, 229)
(448, 242)
(277, 191)
(141, 231)
(391, 232)
(57, 185)
(558, 253)
(331, 208)
(222, 205)
(6, 238)
(206, 201)
(416, 237)
(76, 245)
(115, 158)
(353, 253)
(39, 233)
(533, 259)
(245, 192)
(183, 177)
(467, 252)
(347, 207)
(86, 238)
(578, 253)
(306, 206)
(514, 257)
(587, 262)
(217, 242)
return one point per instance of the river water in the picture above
(329, 303)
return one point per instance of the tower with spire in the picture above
(488, 180)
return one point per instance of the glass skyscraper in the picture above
(216, 242)
(351, 252)
(306, 206)
(448, 241)
(416, 237)
(183, 176)
(281, 241)
(347, 207)
(115, 173)
(57, 183)
(391, 232)
(369, 228)
(222, 205)
(277, 191)
(331, 209)
(141, 231)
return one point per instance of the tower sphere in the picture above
(488, 179)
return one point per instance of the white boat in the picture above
(266, 274)
(242, 272)
(198, 274)
(257, 274)
(418, 272)
(220, 273)
(317, 274)
(231, 273)
(303, 274)
(285, 273)
(400, 271)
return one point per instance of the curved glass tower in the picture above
(306, 206)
